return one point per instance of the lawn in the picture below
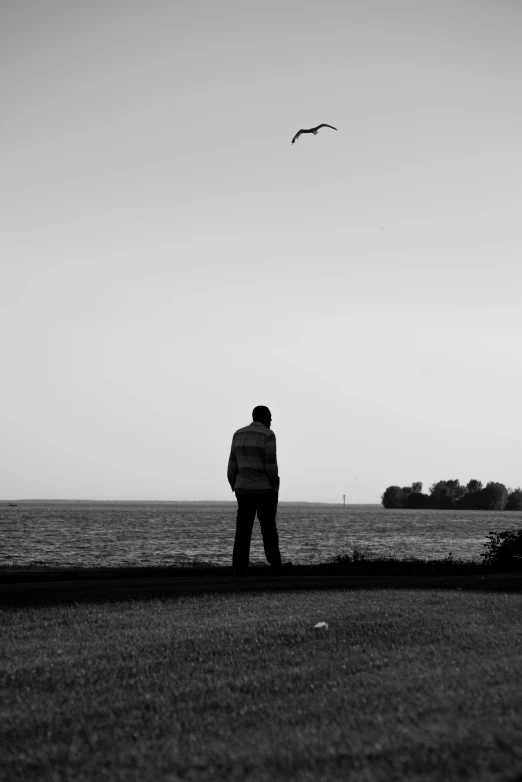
(403, 685)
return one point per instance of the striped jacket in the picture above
(252, 465)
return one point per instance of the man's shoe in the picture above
(241, 574)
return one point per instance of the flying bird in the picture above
(312, 130)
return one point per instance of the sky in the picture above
(169, 260)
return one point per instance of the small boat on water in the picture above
(12, 505)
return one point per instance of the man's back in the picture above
(252, 466)
(253, 476)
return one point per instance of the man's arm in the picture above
(271, 461)
(232, 467)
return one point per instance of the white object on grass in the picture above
(321, 626)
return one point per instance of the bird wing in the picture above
(298, 134)
(324, 125)
(311, 130)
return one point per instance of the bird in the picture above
(312, 130)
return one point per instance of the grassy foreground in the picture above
(403, 685)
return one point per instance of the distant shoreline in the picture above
(77, 503)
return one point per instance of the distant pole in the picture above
(344, 500)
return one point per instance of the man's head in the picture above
(263, 415)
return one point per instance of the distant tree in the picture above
(493, 497)
(456, 491)
(514, 500)
(473, 486)
(446, 494)
(467, 502)
(451, 495)
(440, 495)
(392, 497)
(417, 500)
(471, 500)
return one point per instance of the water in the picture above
(115, 534)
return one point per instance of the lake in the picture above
(116, 534)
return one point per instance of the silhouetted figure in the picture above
(254, 477)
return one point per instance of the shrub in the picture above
(504, 548)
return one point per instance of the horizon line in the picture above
(164, 502)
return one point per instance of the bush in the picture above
(504, 548)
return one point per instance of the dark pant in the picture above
(265, 505)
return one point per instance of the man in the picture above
(253, 476)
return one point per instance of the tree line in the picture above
(450, 495)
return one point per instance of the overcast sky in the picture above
(169, 260)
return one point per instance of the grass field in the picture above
(403, 685)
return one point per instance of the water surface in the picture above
(116, 534)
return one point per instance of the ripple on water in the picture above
(121, 534)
